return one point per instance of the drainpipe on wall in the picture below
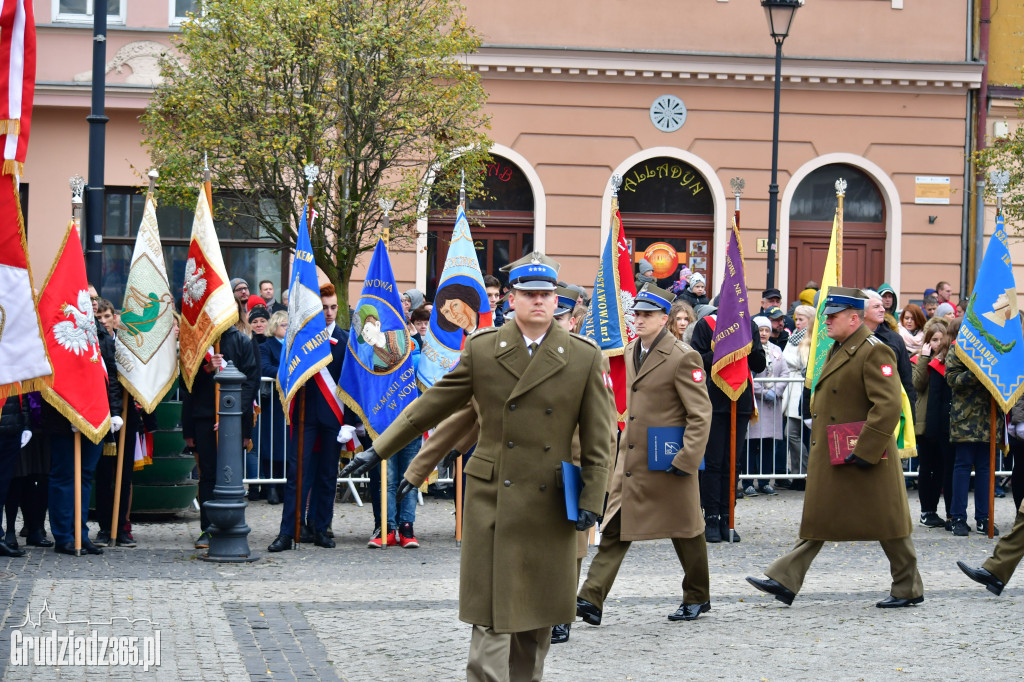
(984, 24)
(965, 217)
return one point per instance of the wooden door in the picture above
(863, 254)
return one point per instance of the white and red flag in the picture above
(23, 363)
(79, 386)
(17, 80)
(207, 305)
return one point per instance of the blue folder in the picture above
(663, 442)
(572, 479)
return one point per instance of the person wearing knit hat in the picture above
(258, 318)
(807, 296)
(254, 301)
(696, 293)
(946, 310)
(645, 274)
(240, 288)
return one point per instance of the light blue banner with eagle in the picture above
(990, 340)
(378, 380)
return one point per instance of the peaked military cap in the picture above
(841, 298)
(651, 297)
(566, 300)
(533, 272)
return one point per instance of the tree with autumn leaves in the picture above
(376, 93)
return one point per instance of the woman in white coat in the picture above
(797, 351)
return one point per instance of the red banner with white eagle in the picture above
(79, 386)
(207, 305)
(17, 80)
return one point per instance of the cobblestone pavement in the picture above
(355, 614)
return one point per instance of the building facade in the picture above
(677, 98)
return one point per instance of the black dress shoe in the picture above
(37, 539)
(560, 633)
(11, 540)
(980, 575)
(892, 602)
(772, 587)
(323, 540)
(281, 543)
(588, 612)
(690, 611)
(272, 496)
(7, 550)
(91, 548)
(67, 548)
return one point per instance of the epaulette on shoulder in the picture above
(482, 332)
(584, 338)
(683, 345)
(874, 340)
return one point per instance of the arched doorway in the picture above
(810, 227)
(667, 213)
(501, 220)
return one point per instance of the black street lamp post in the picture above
(780, 15)
(95, 192)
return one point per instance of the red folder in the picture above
(842, 439)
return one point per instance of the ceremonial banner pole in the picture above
(737, 190)
(992, 468)
(311, 172)
(117, 471)
(77, 184)
(840, 194)
(458, 460)
(385, 206)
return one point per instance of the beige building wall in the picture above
(879, 84)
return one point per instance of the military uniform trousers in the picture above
(789, 570)
(1009, 551)
(509, 657)
(692, 553)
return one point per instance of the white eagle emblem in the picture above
(195, 285)
(79, 333)
(628, 314)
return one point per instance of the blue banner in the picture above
(990, 340)
(378, 379)
(307, 347)
(609, 319)
(460, 307)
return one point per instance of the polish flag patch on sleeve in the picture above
(607, 379)
(887, 370)
(698, 375)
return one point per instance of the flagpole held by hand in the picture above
(458, 501)
(732, 468)
(117, 475)
(300, 499)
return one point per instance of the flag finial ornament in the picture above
(840, 187)
(311, 171)
(77, 185)
(737, 185)
(616, 184)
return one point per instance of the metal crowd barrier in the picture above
(750, 472)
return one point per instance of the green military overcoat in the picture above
(518, 569)
(858, 382)
(669, 390)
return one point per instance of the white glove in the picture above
(361, 430)
(807, 423)
(26, 436)
(74, 429)
(116, 423)
(346, 433)
(1014, 429)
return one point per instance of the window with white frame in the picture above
(81, 11)
(181, 9)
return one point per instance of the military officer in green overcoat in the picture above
(534, 384)
(665, 387)
(864, 498)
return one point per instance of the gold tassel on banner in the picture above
(109, 449)
(12, 167)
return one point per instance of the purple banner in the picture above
(731, 341)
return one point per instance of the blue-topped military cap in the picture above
(651, 297)
(841, 298)
(533, 272)
(566, 300)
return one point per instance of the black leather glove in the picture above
(361, 463)
(678, 472)
(404, 488)
(586, 519)
(854, 459)
(449, 460)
